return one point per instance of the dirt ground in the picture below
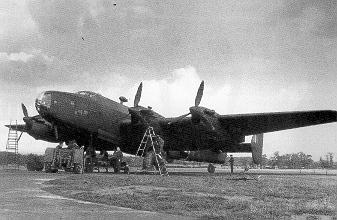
(208, 196)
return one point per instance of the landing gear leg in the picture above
(89, 157)
(211, 168)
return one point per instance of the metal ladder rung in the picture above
(12, 145)
(148, 136)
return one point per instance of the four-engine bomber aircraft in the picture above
(99, 123)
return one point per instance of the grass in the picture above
(206, 196)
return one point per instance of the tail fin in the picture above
(257, 146)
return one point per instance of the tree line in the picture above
(285, 161)
(20, 159)
(298, 160)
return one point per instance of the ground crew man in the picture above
(161, 160)
(231, 162)
(118, 156)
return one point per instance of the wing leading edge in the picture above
(256, 123)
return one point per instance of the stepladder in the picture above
(152, 142)
(12, 146)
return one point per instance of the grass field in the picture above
(217, 196)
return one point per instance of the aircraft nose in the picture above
(43, 101)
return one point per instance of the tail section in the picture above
(257, 146)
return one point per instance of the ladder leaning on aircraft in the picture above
(153, 139)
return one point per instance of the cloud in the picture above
(22, 56)
(25, 68)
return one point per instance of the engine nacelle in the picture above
(175, 155)
(207, 156)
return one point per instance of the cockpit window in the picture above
(87, 93)
(44, 99)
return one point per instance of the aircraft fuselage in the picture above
(83, 113)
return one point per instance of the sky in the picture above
(255, 56)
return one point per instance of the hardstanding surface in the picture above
(21, 197)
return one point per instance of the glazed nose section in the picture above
(43, 101)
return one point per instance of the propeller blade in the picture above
(24, 109)
(179, 118)
(138, 95)
(199, 93)
(56, 132)
(26, 118)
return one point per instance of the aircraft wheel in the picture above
(47, 167)
(78, 169)
(89, 165)
(117, 166)
(89, 168)
(67, 169)
(211, 168)
(127, 170)
(54, 170)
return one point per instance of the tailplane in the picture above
(257, 146)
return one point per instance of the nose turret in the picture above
(43, 102)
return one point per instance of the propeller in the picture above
(24, 109)
(199, 94)
(26, 118)
(133, 111)
(197, 112)
(138, 95)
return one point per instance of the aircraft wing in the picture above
(19, 127)
(256, 123)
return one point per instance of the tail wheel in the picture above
(211, 168)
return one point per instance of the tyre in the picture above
(47, 167)
(117, 167)
(127, 170)
(78, 169)
(89, 165)
(211, 168)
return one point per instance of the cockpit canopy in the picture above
(87, 93)
(44, 99)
